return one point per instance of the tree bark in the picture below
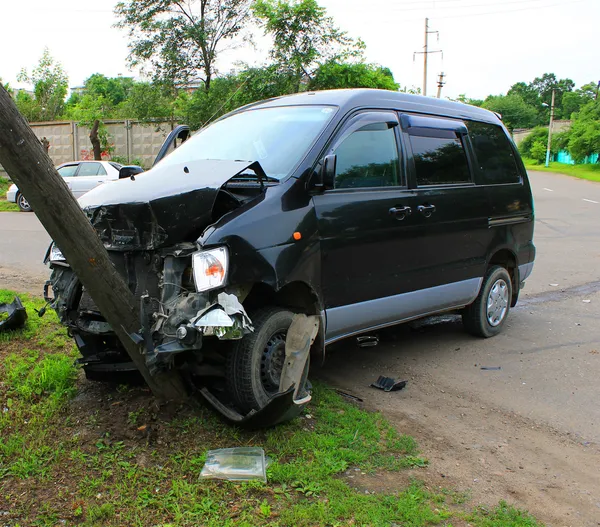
(23, 157)
(96, 141)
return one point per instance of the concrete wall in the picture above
(557, 126)
(131, 140)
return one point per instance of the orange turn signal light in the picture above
(297, 236)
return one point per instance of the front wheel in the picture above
(255, 363)
(23, 203)
(487, 315)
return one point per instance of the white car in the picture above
(80, 177)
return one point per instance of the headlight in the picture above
(210, 268)
(56, 255)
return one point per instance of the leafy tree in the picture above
(178, 40)
(516, 113)
(538, 134)
(527, 92)
(49, 87)
(333, 75)
(91, 111)
(146, 101)
(304, 37)
(114, 90)
(538, 151)
(584, 136)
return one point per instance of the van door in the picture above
(365, 226)
(451, 211)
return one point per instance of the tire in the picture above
(487, 315)
(23, 203)
(254, 364)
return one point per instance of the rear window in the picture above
(440, 158)
(494, 154)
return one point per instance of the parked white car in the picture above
(80, 177)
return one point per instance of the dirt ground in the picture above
(473, 445)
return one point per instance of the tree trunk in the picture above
(96, 141)
(23, 157)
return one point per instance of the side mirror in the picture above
(326, 178)
(129, 170)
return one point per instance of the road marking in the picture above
(590, 200)
(548, 189)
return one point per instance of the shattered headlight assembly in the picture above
(210, 268)
(55, 256)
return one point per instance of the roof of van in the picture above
(349, 99)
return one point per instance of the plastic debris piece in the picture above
(388, 384)
(586, 301)
(235, 464)
(17, 315)
(367, 341)
(491, 368)
(299, 339)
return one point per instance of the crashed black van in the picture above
(359, 208)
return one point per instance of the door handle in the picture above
(400, 212)
(427, 210)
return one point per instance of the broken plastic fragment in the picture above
(388, 384)
(226, 319)
(235, 464)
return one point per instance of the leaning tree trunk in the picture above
(23, 157)
(96, 141)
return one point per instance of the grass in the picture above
(6, 206)
(591, 172)
(73, 452)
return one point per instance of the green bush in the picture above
(537, 135)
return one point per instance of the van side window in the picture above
(440, 158)
(494, 153)
(368, 157)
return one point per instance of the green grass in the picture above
(6, 206)
(73, 452)
(589, 172)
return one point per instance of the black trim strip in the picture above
(508, 220)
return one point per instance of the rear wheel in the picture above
(487, 315)
(255, 363)
(23, 203)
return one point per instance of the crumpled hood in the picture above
(166, 205)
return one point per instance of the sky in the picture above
(488, 45)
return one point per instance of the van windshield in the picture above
(278, 138)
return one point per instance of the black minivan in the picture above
(338, 212)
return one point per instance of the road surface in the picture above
(528, 432)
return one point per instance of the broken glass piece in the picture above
(235, 464)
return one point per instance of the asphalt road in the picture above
(538, 412)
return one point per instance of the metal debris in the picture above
(367, 341)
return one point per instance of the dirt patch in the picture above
(17, 280)
(486, 453)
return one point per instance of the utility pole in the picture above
(426, 52)
(550, 128)
(24, 159)
(440, 84)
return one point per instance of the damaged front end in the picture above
(190, 317)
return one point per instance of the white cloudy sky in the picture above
(488, 44)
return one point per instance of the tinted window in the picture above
(368, 157)
(440, 160)
(89, 169)
(68, 171)
(494, 153)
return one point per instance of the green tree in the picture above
(50, 83)
(527, 92)
(333, 75)
(115, 90)
(180, 41)
(584, 136)
(516, 113)
(304, 37)
(147, 101)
